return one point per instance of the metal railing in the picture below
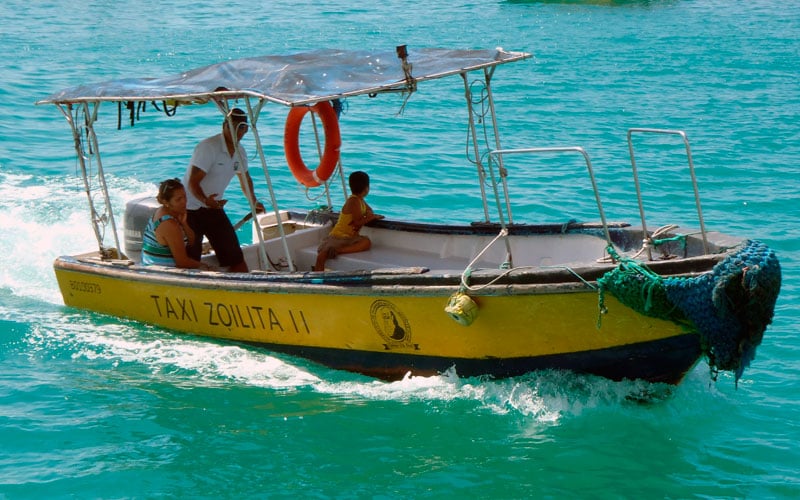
(691, 173)
(568, 149)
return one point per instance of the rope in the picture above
(136, 107)
(653, 242)
(468, 270)
(167, 110)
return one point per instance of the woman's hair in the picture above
(167, 188)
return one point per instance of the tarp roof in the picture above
(302, 78)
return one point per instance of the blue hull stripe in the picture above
(666, 360)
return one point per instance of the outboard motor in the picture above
(137, 213)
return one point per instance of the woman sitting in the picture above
(167, 234)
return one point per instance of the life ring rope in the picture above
(333, 142)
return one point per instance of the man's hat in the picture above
(237, 115)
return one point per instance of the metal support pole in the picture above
(76, 136)
(501, 167)
(503, 174)
(101, 175)
(273, 199)
(474, 134)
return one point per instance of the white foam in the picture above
(539, 399)
(42, 218)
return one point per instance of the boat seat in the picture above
(381, 257)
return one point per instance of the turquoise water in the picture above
(95, 407)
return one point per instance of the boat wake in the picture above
(159, 357)
(42, 218)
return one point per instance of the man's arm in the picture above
(249, 191)
(211, 201)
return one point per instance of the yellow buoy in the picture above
(462, 308)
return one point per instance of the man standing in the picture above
(214, 163)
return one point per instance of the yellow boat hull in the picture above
(390, 331)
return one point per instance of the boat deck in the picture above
(437, 252)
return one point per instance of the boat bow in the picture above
(730, 307)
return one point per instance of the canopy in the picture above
(298, 79)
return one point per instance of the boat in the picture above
(488, 298)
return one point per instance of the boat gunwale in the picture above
(384, 282)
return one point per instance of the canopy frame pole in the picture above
(495, 187)
(253, 114)
(488, 73)
(90, 116)
(102, 178)
(253, 118)
(474, 135)
(344, 183)
(225, 109)
(76, 137)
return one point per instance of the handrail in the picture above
(578, 149)
(691, 173)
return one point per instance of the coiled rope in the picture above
(652, 242)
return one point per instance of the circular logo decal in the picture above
(390, 323)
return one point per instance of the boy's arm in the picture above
(353, 206)
(370, 215)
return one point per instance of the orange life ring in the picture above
(333, 142)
